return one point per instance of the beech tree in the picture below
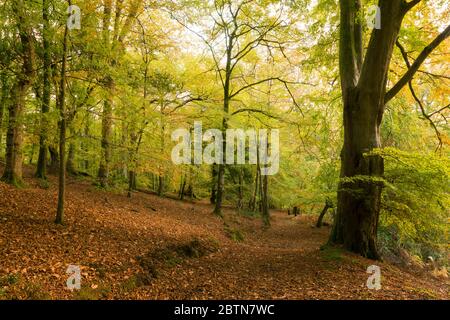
(114, 31)
(364, 79)
(24, 78)
(41, 170)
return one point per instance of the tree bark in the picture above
(265, 201)
(41, 170)
(214, 175)
(3, 102)
(364, 89)
(105, 161)
(240, 203)
(160, 185)
(182, 186)
(13, 167)
(62, 134)
(54, 159)
(13, 157)
(112, 41)
(328, 205)
(252, 204)
(71, 167)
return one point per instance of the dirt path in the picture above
(107, 234)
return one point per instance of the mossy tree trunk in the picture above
(364, 81)
(24, 80)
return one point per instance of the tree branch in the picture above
(411, 4)
(416, 65)
(347, 54)
(411, 89)
(255, 111)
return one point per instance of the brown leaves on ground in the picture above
(127, 250)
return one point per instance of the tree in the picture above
(113, 39)
(41, 170)
(239, 29)
(62, 131)
(24, 80)
(364, 79)
(3, 101)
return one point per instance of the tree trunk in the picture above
(359, 198)
(265, 201)
(182, 186)
(328, 205)
(252, 204)
(220, 190)
(3, 103)
(240, 203)
(30, 160)
(160, 185)
(62, 135)
(13, 158)
(54, 159)
(85, 146)
(41, 170)
(226, 109)
(214, 175)
(363, 90)
(105, 161)
(71, 167)
(131, 182)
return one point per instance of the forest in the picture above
(224, 149)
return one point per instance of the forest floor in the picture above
(148, 247)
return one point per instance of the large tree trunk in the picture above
(359, 195)
(13, 167)
(13, 157)
(364, 88)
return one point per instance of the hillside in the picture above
(147, 247)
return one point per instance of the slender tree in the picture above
(3, 101)
(62, 131)
(41, 170)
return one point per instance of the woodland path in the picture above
(106, 233)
